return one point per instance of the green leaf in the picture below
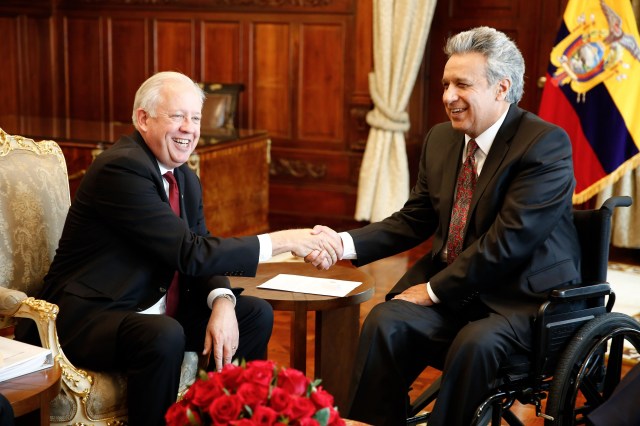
(322, 416)
(193, 420)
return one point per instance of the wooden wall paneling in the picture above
(321, 92)
(270, 102)
(221, 51)
(38, 95)
(128, 65)
(174, 46)
(84, 68)
(10, 83)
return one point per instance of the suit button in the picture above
(162, 290)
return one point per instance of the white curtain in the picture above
(625, 226)
(400, 29)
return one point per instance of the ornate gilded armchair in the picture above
(34, 200)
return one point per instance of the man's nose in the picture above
(449, 94)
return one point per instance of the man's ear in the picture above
(502, 89)
(142, 118)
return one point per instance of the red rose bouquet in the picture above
(252, 394)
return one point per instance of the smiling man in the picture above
(138, 277)
(494, 191)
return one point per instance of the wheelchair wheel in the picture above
(590, 368)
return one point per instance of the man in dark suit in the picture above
(467, 306)
(128, 234)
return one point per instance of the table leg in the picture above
(337, 332)
(298, 357)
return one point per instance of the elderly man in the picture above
(138, 277)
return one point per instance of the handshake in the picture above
(320, 246)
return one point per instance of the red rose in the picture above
(225, 409)
(177, 414)
(308, 421)
(293, 381)
(334, 418)
(203, 392)
(301, 407)
(253, 394)
(322, 398)
(264, 416)
(244, 422)
(230, 376)
(260, 372)
(280, 400)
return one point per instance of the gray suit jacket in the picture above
(520, 240)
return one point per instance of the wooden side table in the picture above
(337, 325)
(31, 394)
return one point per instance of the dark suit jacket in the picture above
(520, 240)
(121, 242)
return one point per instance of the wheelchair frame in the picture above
(579, 343)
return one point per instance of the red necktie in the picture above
(464, 191)
(173, 294)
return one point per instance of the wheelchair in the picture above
(578, 355)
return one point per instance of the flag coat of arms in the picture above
(593, 91)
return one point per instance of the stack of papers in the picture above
(18, 358)
(311, 285)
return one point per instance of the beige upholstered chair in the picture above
(34, 200)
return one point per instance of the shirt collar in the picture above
(163, 169)
(485, 140)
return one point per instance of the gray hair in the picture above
(149, 93)
(504, 59)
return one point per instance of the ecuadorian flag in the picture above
(593, 91)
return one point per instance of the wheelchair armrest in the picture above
(570, 294)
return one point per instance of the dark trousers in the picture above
(400, 339)
(150, 350)
(6, 412)
(621, 409)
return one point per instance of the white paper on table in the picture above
(311, 285)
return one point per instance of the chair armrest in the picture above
(44, 314)
(10, 301)
(570, 294)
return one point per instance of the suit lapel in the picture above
(181, 178)
(496, 155)
(453, 158)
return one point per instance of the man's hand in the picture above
(222, 334)
(417, 294)
(315, 257)
(324, 248)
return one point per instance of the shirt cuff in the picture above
(432, 295)
(266, 247)
(348, 246)
(217, 292)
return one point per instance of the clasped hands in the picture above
(320, 246)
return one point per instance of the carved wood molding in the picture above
(131, 2)
(261, 3)
(297, 169)
(301, 3)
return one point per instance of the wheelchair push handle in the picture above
(618, 201)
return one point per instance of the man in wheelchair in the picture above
(494, 191)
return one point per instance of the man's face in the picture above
(173, 133)
(470, 102)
